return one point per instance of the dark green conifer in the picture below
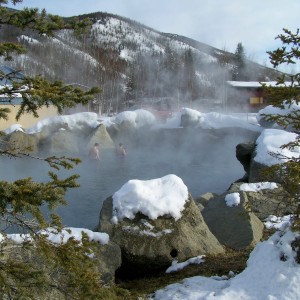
(283, 95)
(38, 268)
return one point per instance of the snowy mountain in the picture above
(130, 61)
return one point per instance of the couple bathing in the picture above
(94, 153)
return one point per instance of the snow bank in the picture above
(153, 198)
(258, 186)
(179, 266)
(75, 233)
(267, 276)
(138, 118)
(273, 110)
(141, 118)
(212, 120)
(13, 128)
(279, 223)
(61, 237)
(75, 121)
(269, 142)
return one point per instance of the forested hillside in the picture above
(130, 61)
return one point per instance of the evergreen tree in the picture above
(287, 92)
(67, 268)
(239, 71)
(130, 89)
(189, 81)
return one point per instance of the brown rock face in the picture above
(154, 244)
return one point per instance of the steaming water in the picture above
(204, 161)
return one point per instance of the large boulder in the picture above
(17, 253)
(202, 200)
(244, 152)
(60, 143)
(190, 120)
(270, 151)
(113, 131)
(234, 226)
(48, 130)
(266, 202)
(101, 136)
(19, 141)
(150, 245)
(107, 259)
(255, 171)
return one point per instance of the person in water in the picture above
(122, 150)
(94, 153)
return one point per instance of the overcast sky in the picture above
(219, 23)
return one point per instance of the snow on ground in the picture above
(271, 271)
(279, 223)
(179, 266)
(143, 118)
(216, 121)
(258, 186)
(212, 120)
(60, 237)
(232, 199)
(28, 39)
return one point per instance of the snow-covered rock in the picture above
(155, 228)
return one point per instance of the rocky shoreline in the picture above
(207, 226)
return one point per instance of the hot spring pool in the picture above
(205, 162)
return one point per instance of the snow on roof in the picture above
(255, 84)
(17, 75)
(153, 198)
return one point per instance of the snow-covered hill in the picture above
(128, 60)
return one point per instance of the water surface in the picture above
(205, 161)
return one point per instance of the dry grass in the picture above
(234, 261)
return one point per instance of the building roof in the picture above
(255, 84)
(13, 74)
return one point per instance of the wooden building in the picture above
(245, 96)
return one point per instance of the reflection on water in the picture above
(205, 163)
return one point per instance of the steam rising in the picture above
(203, 158)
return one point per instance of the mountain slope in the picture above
(129, 61)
